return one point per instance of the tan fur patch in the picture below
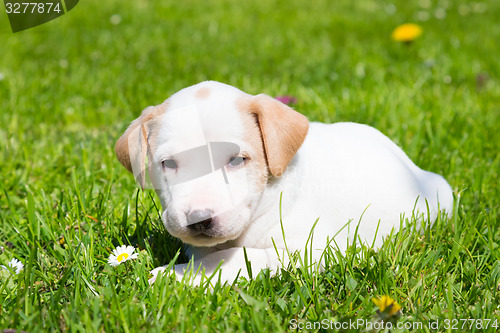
(282, 130)
(253, 136)
(132, 150)
(154, 125)
(202, 93)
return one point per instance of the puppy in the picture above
(236, 172)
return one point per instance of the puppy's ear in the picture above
(132, 147)
(283, 131)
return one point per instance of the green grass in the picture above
(70, 87)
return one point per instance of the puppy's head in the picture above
(209, 150)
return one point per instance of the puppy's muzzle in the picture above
(200, 219)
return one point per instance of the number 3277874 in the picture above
(32, 7)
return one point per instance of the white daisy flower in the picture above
(122, 254)
(14, 264)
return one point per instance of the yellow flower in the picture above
(407, 32)
(386, 305)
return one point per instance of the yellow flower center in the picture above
(122, 257)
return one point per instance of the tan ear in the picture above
(283, 131)
(132, 147)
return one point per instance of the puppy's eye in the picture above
(169, 164)
(236, 161)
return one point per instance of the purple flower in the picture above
(288, 100)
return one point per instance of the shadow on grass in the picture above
(148, 232)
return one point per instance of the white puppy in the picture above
(219, 160)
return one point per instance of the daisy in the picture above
(14, 264)
(122, 254)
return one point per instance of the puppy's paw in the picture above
(178, 270)
(155, 272)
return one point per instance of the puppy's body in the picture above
(343, 174)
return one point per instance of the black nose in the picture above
(199, 219)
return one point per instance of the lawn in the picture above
(70, 87)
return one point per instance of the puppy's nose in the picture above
(200, 219)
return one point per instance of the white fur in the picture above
(343, 174)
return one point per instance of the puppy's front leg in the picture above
(233, 262)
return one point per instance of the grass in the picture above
(69, 88)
